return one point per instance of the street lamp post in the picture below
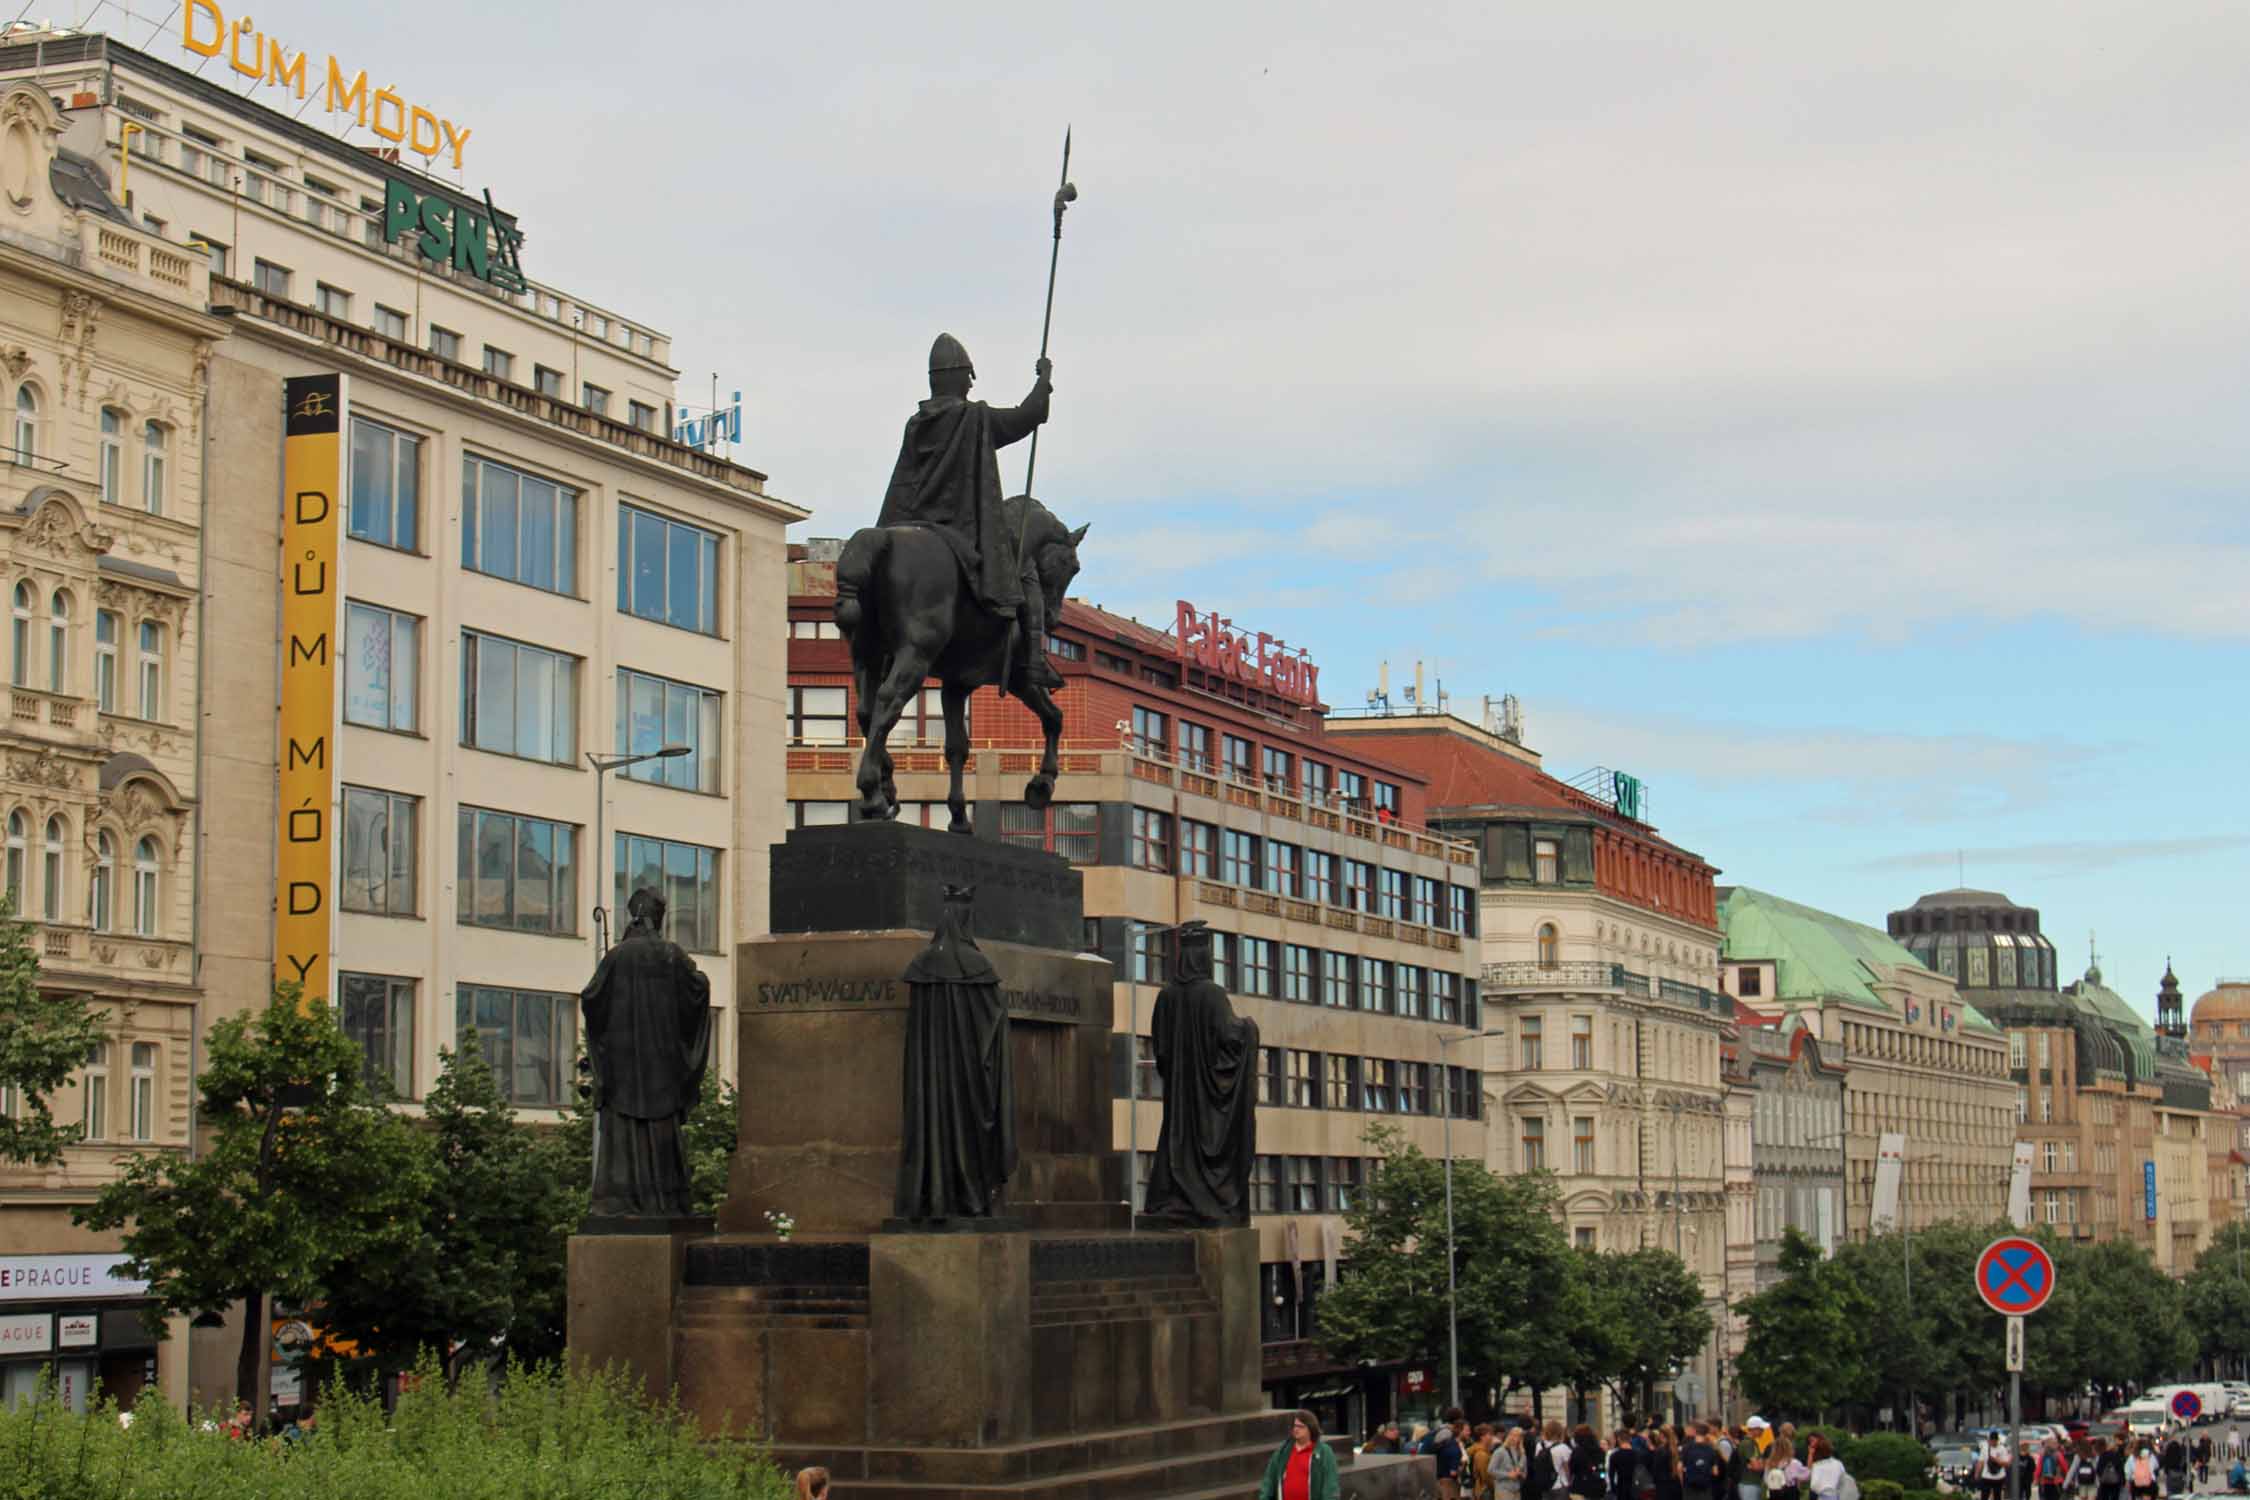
(1452, 1307)
(603, 765)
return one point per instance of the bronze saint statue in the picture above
(1208, 1058)
(648, 1035)
(959, 1142)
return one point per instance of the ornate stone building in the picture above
(104, 347)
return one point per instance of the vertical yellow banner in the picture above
(311, 600)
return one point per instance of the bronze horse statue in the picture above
(908, 612)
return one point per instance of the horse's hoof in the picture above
(1038, 792)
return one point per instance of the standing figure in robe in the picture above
(1208, 1058)
(959, 1139)
(648, 1035)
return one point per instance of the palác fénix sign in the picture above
(1259, 660)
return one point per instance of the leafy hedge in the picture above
(543, 1436)
(1891, 1456)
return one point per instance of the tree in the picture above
(303, 1173)
(707, 1138)
(1803, 1349)
(2216, 1295)
(1654, 1318)
(482, 1262)
(44, 1038)
(1517, 1289)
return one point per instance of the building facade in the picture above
(528, 573)
(1342, 924)
(1919, 1061)
(1799, 1163)
(104, 338)
(1600, 956)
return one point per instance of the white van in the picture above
(2148, 1416)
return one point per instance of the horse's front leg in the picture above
(956, 701)
(1040, 790)
(908, 665)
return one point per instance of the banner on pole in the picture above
(1890, 1167)
(2019, 1187)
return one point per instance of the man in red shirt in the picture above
(1303, 1467)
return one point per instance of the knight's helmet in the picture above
(947, 354)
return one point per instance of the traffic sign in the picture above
(2187, 1405)
(2015, 1276)
(2015, 1346)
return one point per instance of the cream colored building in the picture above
(531, 572)
(104, 342)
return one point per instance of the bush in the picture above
(1881, 1489)
(1891, 1456)
(544, 1436)
(1924, 1495)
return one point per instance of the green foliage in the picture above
(1649, 1318)
(1878, 1489)
(544, 1436)
(2216, 1294)
(1890, 1458)
(707, 1137)
(1924, 1495)
(1804, 1349)
(44, 1038)
(303, 1174)
(482, 1269)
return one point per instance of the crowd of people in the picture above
(1697, 1461)
(2096, 1468)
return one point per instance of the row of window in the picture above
(524, 528)
(529, 1038)
(519, 873)
(94, 1084)
(102, 913)
(153, 442)
(1245, 761)
(1249, 966)
(30, 666)
(1306, 1184)
(1184, 846)
(522, 700)
(1293, 1078)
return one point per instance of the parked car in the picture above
(1956, 1455)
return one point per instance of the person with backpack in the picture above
(1702, 1470)
(1663, 1463)
(2175, 1460)
(2049, 1474)
(1445, 1446)
(1785, 1475)
(1541, 1468)
(2109, 1470)
(1628, 1476)
(2203, 1459)
(2140, 1474)
(1829, 1479)
(1587, 1479)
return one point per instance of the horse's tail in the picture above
(855, 570)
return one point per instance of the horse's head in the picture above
(1054, 554)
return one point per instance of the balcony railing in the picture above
(1226, 897)
(1581, 975)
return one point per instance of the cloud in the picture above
(2067, 857)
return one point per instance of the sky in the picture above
(1833, 417)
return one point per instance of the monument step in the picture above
(1226, 1471)
(1041, 1460)
(1125, 1297)
(1047, 1317)
(1137, 1284)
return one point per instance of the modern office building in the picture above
(1346, 926)
(523, 570)
(103, 332)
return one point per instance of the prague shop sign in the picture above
(1260, 660)
(205, 31)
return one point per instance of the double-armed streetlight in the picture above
(603, 765)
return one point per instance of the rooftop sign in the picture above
(1260, 660)
(445, 234)
(205, 31)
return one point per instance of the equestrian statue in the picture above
(955, 582)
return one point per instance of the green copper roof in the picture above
(2137, 1034)
(1816, 955)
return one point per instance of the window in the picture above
(1265, 1185)
(1304, 1079)
(518, 526)
(1531, 1044)
(1152, 841)
(1751, 982)
(105, 660)
(140, 1108)
(518, 700)
(1240, 758)
(641, 415)
(58, 642)
(594, 399)
(1320, 877)
(27, 424)
(1582, 1042)
(1148, 1083)
(547, 382)
(155, 439)
(145, 914)
(1462, 910)
(1342, 1090)
(1145, 945)
(1386, 798)
(515, 872)
(390, 323)
(667, 571)
(1464, 1093)
(1534, 1136)
(382, 661)
(1254, 961)
(1336, 981)
(378, 1014)
(686, 876)
(19, 851)
(1149, 733)
(1380, 1096)
(152, 670)
(1550, 946)
(1304, 1184)
(1297, 973)
(103, 886)
(1070, 829)
(445, 344)
(1414, 1089)
(1359, 885)
(1424, 907)
(1582, 1144)
(1198, 848)
(94, 1086)
(655, 712)
(113, 456)
(2050, 1153)
(216, 252)
(1238, 857)
(269, 278)
(1413, 991)
(499, 363)
(1343, 1182)
(1390, 893)
(20, 624)
(816, 715)
(819, 814)
(1582, 1237)
(1195, 747)
(1279, 768)
(530, 1038)
(51, 872)
(386, 502)
(1283, 877)
(1546, 861)
(1269, 1075)
(334, 301)
(1375, 986)
(1351, 787)
(1317, 780)
(379, 857)
(2015, 1050)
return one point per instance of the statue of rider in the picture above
(948, 479)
